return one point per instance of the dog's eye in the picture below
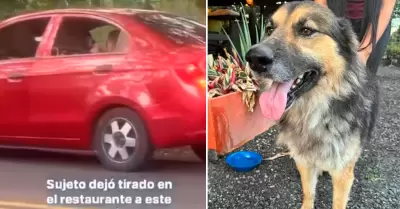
(306, 31)
(269, 31)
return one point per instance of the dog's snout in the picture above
(260, 57)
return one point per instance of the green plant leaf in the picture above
(257, 38)
(226, 75)
(242, 75)
(212, 74)
(231, 42)
(215, 93)
(244, 34)
(262, 28)
(236, 88)
(210, 61)
(226, 80)
(242, 41)
(246, 31)
(229, 75)
(247, 69)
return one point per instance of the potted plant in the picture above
(234, 116)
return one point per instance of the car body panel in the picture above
(62, 97)
(14, 97)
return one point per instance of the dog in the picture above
(324, 101)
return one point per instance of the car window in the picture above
(180, 30)
(82, 35)
(21, 39)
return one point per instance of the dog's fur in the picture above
(331, 118)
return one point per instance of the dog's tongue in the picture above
(273, 101)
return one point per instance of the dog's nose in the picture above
(260, 57)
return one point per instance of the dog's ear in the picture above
(346, 38)
(345, 25)
(347, 32)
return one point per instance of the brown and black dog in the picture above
(325, 102)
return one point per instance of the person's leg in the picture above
(375, 58)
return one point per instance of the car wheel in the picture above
(121, 141)
(200, 151)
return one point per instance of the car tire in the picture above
(121, 141)
(200, 151)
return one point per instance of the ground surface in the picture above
(23, 176)
(276, 184)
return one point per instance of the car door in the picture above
(14, 98)
(18, 55)
(62, 87)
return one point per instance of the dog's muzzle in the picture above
(260, 58)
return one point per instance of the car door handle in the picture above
(16, 77)
(103, 69)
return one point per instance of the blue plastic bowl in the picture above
(243, 161)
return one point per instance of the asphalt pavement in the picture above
(24, 175)
(276, 184)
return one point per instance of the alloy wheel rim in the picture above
(119, 140)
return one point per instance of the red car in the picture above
(120, 82)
